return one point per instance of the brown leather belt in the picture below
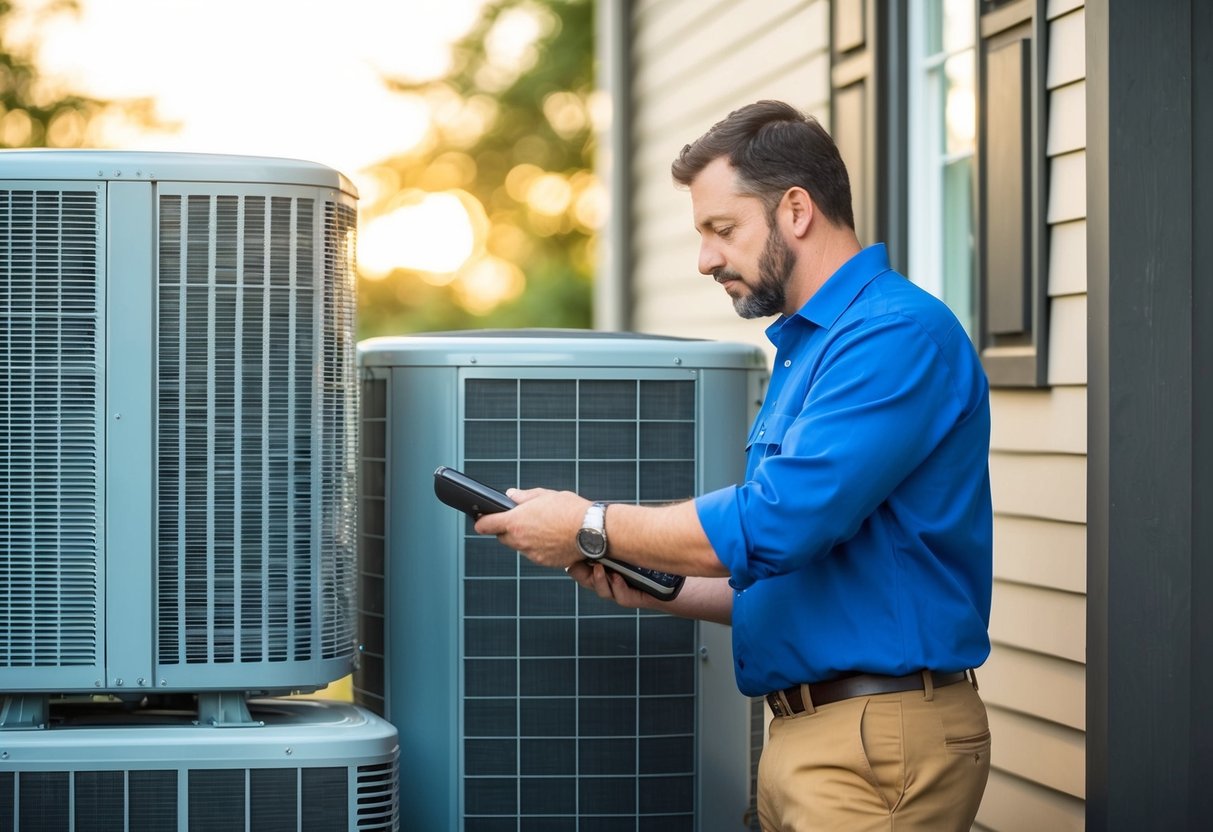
(848, 687)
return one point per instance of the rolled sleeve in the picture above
(721, 517)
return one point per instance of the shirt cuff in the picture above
(720, 515)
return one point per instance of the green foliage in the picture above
(30, 114)
(501, 136)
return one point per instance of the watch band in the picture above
(591, 537)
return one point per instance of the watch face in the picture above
(591, 542)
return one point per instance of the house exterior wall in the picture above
(691, 62)
(1034, 683)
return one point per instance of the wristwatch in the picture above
(591, 537)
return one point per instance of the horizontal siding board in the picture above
(753, 32)
(1056, 8)
(1068, 340)
(691, 328)
(1039, 620)
(1067, 44)
(1040, 751)
(1046, 486)
(667, 224)
(1067, 119)
(775, 50)
(1040, 686)
(1041, 553)
(1013, 804)
(657, 22)
(1068, 258)
(1067, 187)
(1052, 421)
(686, 110)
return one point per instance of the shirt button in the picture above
(787, 362)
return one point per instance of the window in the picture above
(938, 111)
(942, 135)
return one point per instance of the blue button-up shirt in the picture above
(861, 539)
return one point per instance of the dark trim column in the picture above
(1150, 580)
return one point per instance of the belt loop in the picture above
(973, 678)
(928, 686)
(785, 708)
(806, 699)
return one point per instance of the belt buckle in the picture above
(776, 705)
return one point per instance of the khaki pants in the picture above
(895, 762)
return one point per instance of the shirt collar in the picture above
(839, 291)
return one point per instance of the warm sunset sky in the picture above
(294, 78)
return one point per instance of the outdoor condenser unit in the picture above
(527, 702)
(178, 428)
(178, 451)
(307, 767)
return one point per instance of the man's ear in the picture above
(798, 210)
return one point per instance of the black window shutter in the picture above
(853, 106)
(1011, 229)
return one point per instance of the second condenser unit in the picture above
(523, 701)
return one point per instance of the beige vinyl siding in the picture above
(1034, 683)
(693, 62)
(1014, 803)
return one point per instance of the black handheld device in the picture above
(470, 496)
(474, 498)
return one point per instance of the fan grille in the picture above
(49, 427)
(256, 434)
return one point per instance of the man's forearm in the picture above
(706, 599)
(668, 538)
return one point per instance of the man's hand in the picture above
(543, 526)
(609, 585)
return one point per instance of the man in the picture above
(854, 562)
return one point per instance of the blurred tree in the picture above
(490, 221)
(35, 111)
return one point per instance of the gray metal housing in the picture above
(308, 765)
(525, 696)
(178, 423)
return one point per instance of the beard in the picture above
(768, 295)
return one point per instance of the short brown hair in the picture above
(773, 147)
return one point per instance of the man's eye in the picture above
(725, 232)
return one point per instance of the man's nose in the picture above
(709, 258)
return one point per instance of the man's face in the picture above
(739, 245)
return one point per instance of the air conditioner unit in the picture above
(308, 767)
(178, 426)
(533, 703)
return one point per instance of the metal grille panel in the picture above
(256, 439)
(370, 674)
(339, 421)
(50, 431)
(308, 799)
(576, 712)
(377, 802)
